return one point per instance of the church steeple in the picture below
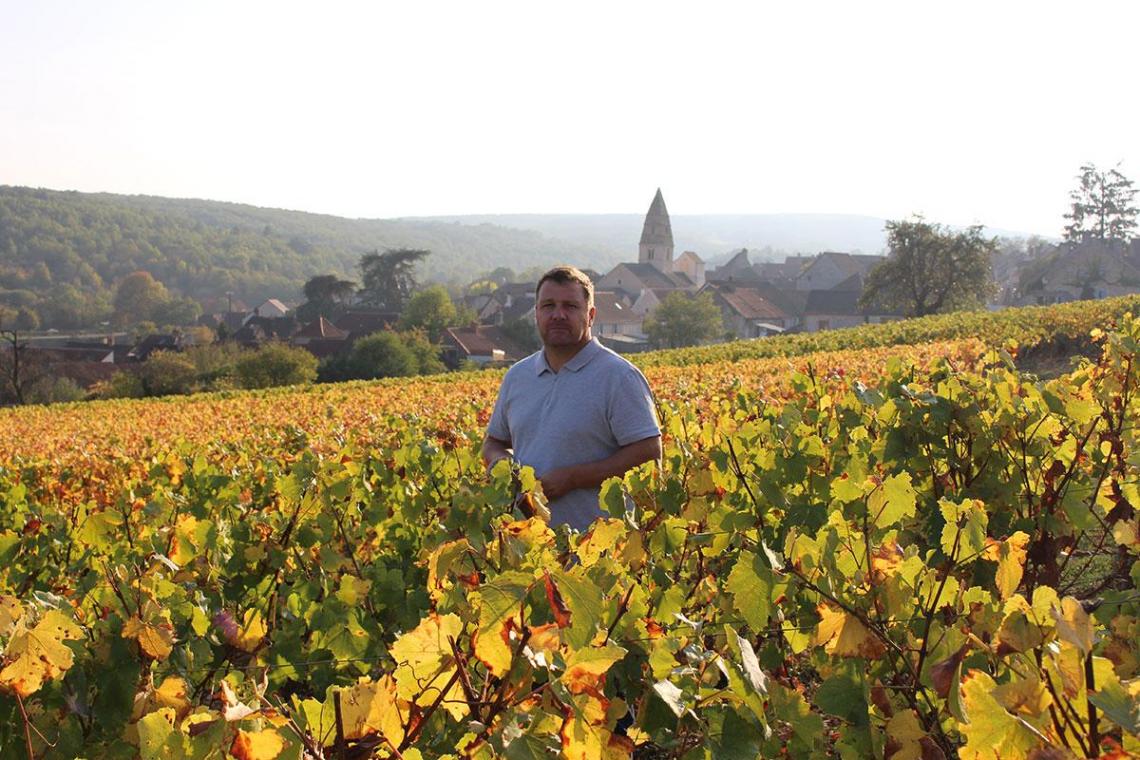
(657, 236)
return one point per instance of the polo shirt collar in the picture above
(579, 360)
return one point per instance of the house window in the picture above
(651, 254)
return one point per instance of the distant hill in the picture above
(713, 236)
(63, 253)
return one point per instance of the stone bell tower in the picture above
(657, 237)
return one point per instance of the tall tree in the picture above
(388, 279)
(683, 320)
(930, 268)
(328, 287)
(1102, 206)
(326, 295)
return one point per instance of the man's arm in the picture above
(560, 481)
(494, 450)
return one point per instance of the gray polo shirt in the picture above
(597, 403)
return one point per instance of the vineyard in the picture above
(881, 542)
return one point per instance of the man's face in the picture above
(562, 316)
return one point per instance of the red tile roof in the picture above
(322, 328)
(611, 310)
(749, 303)
(483, 340)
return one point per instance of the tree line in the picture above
(931, 268)
(389, 284)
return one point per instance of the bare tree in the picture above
(13, 358)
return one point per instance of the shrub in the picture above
(276, 364)
(384, 354)
(167, 373)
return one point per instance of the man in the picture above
(574, 411)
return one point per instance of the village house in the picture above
(482, 344)
(361, 322)
(746, 313)
(511, 301)
(737, 269)
(1081, 270)
(258, 330)
(831, 269)
(321, 338)
(615, 316)
(270, 309)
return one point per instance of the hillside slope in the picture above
(62, 253)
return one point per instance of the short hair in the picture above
(564, 274)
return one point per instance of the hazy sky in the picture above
(966, 112)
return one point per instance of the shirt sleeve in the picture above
(633, 415)
(497, 428)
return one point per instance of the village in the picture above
(494, 326)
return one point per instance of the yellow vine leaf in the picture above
(586, 668)
(373, 708)
(156, 640)
(1018, 631)
(1127, 533)
(1070, 666)
(257, 745)
(543, 644)
(184, 545)
(991, 732)
(1010, 556)
(603, 537)
(906, 731)
(843, 635)
(530, 532)
(251, 632)
(439, 564)
(353, 590)
(425, 663)
(1024, 696)
(10, 612)
(1074, 624)
(587, 735)
(498, 604)
(892, 501)
(154, 731)
(38, 654)
(886, 560)
(173, 692)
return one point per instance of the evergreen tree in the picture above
(325, 296)
(388, 279)
(1102, 206)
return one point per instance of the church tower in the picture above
(657, 237)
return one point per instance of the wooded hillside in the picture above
(62, 253)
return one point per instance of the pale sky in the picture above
(965, 112)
